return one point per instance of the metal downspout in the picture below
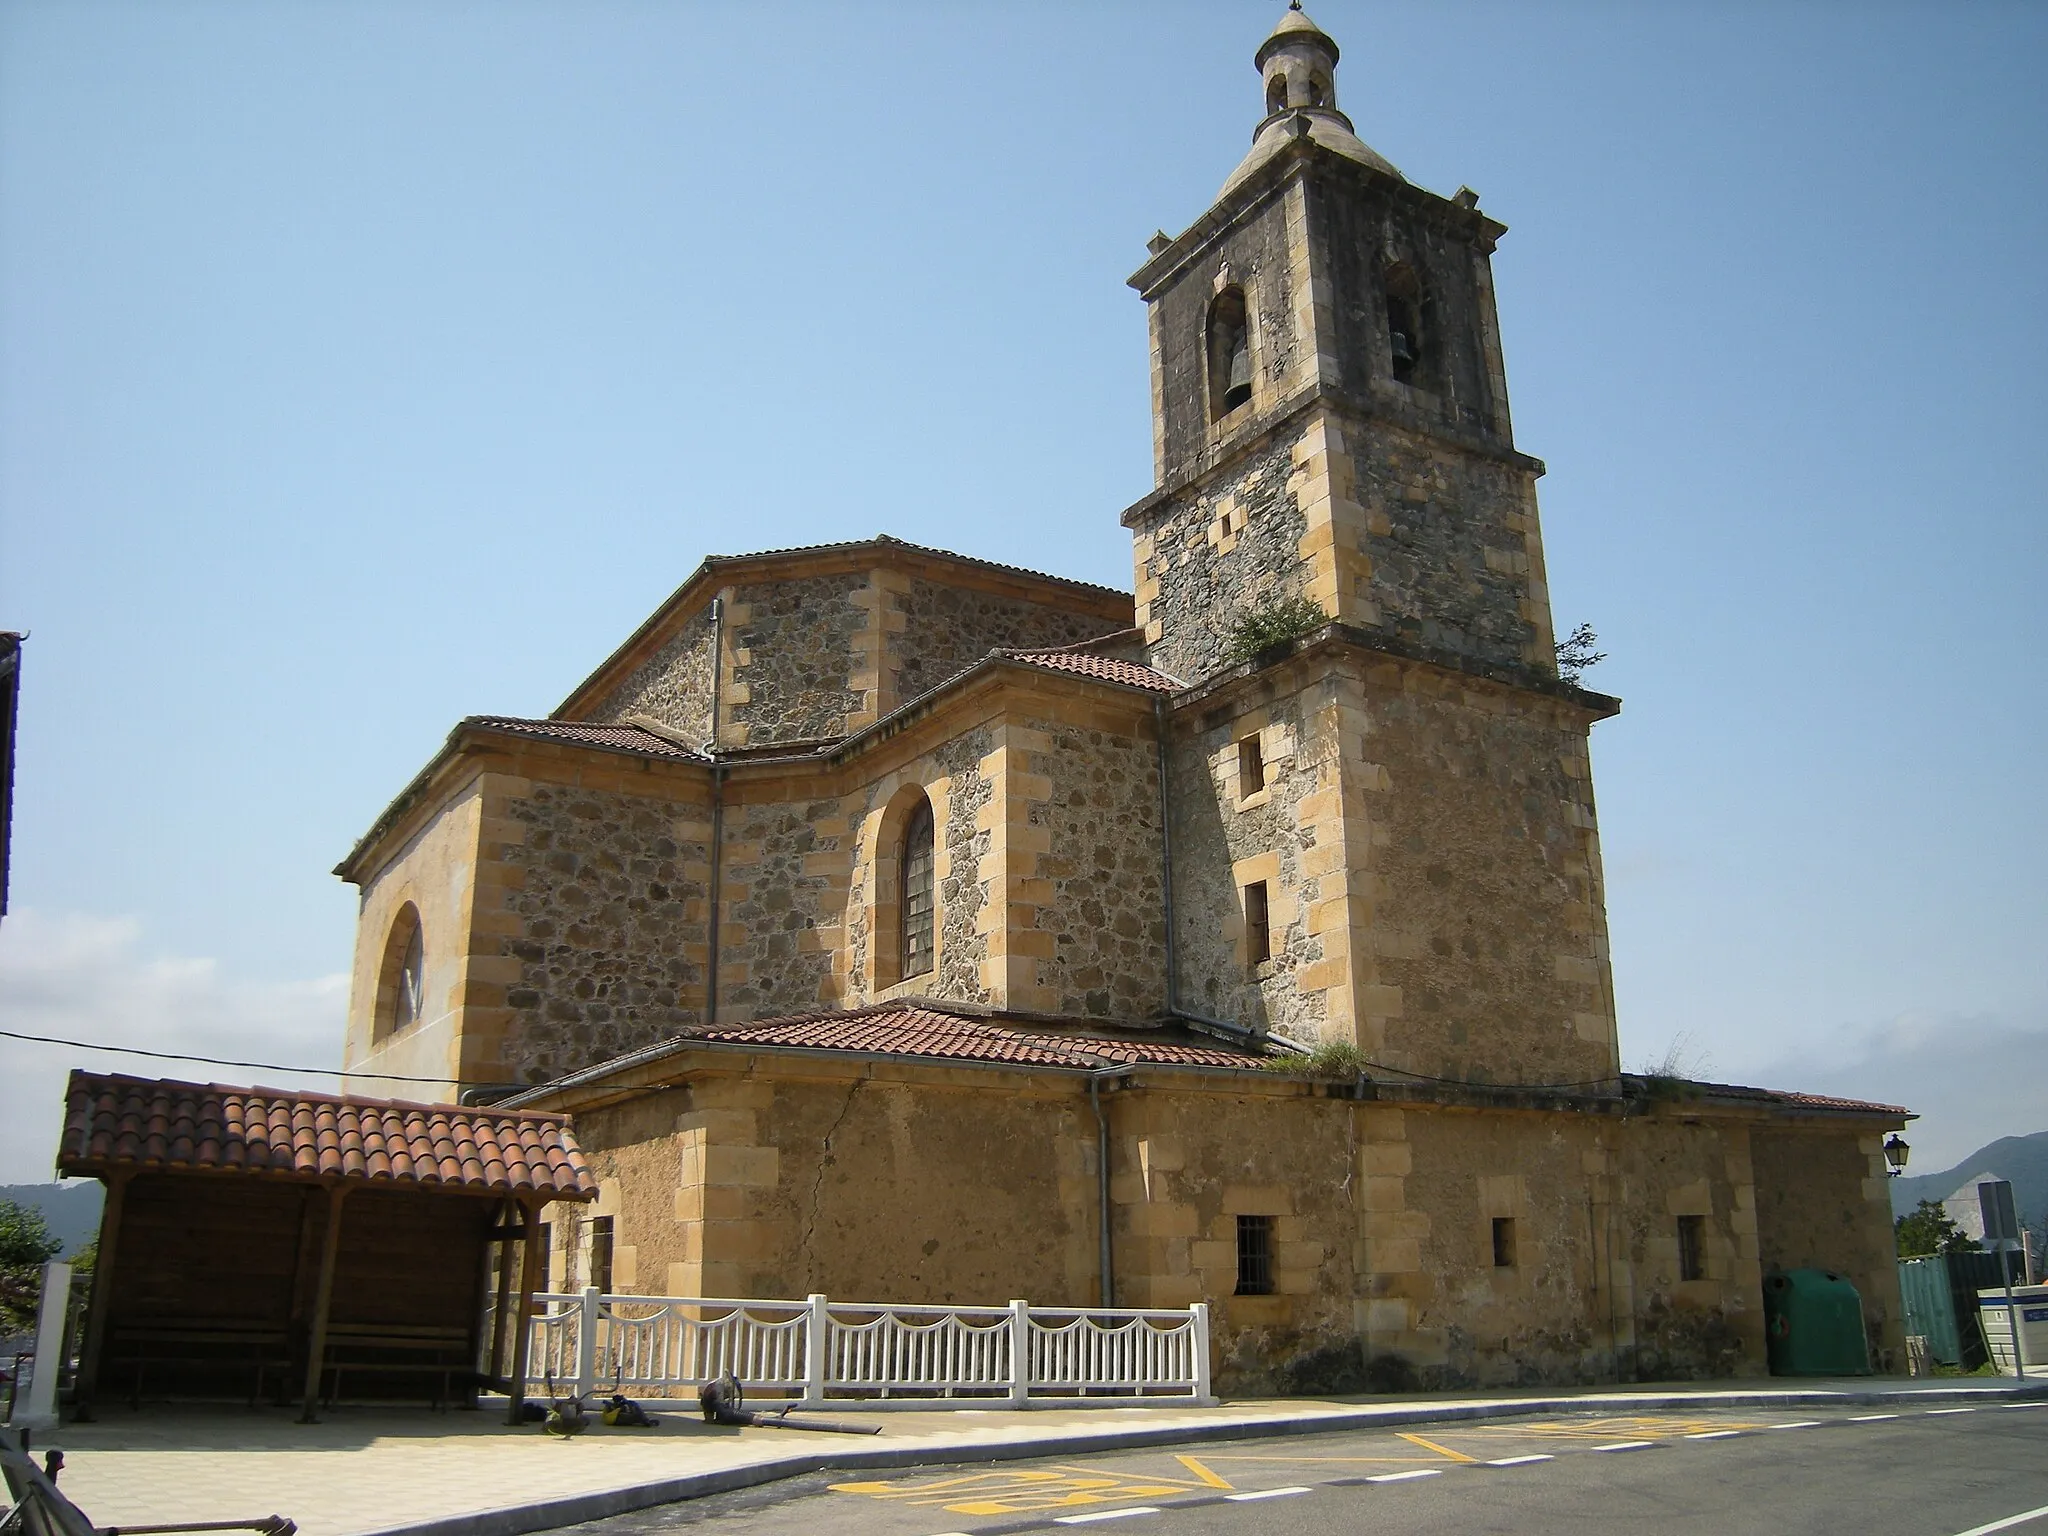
(717, 816)
(1166, 858)
(1105, 1258)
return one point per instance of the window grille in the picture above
(1692, 1247)
(1503, 1242)
(1254, 1255)
(1258, 933)
(917, 891)
(601, 1252)
(1251, 768)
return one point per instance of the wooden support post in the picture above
(522, 1326)
(102, 1295)
(323, 1298)
(500, 1314)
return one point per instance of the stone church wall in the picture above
(1451, 541)
(673, 685)
(1823, 1201)
(947, 629)
(1098, 878)
(1487, 931)
(1224, 840)
(795, 645)
(1206, 558)
(602, 894)
(914, 1183)
(784, 878)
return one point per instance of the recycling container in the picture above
(1813, 1324)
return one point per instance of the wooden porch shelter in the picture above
(270, 1245)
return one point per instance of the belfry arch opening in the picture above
(1230, 354)
(402, 979)
(1407, 318)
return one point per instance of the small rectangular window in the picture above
(1254, 1255)
(1692, 1247)
(1503, 1242)
(1251, 768)
(601, 1253)
(1258, 932)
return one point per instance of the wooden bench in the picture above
(445, 1354)
(218, 1345)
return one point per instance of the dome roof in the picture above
(1328, 127)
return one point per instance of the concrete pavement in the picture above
(419, 1473)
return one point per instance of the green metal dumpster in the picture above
(1813, 1324)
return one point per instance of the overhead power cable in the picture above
(254, 1066)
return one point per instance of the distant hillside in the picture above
(72, 1210)
(2023, 1159)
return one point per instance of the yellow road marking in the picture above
(1441, 1450)
(1204, 1473)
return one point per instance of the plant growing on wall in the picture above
(1271, 624)
(1330, 1061)
(1575, 653)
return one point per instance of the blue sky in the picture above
(364, 366)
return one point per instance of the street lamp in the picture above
(1895, 1153)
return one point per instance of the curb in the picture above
(574, 1509)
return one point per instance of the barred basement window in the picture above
(1254, 1255)
(1258, 932)
(917, 948)
(1251, 767)
(601, 1253)
(1503, 1242)
(1692, 1247)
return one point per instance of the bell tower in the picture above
(1329, 407)
(1383, 829)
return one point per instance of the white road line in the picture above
(1519, 1461)
(1796, 1424)
(2006, 1524)
(1870, 1418)
(1627, 1445)
(1263, 1493)
(1403, 1477)
(1107, 1514)
(1933, 1411)
(1715, 1434)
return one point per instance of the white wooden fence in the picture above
(818, 1350)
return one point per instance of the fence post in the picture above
(51, 1313)
(817, 1339)
(1200, 1342)
(1020, 1353)
(586, 1342)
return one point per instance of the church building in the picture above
(911, 928)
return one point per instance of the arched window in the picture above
(1407, 314)
(1276, 94)
(917, 909)
(401, 982)
(1230, 354)
(1318, 91)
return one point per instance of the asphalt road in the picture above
(1845, 1472)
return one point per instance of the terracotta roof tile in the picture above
(619, 738)
(142, 1124)
(1803, 1100)
(1108, 669)
(911, 1029)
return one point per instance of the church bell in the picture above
(1239, 387)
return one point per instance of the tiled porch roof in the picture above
(914, 1029)
(1107, 669)
(142, 1125)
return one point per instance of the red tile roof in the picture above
(619, 738)
(1799, 1100)
(912, 1029)
(1108, 669)
(143, 1125)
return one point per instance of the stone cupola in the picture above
(1298, 65)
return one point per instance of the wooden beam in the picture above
(316, 1346)
(499, 1315)
(522, 1328)
(102, 1294)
